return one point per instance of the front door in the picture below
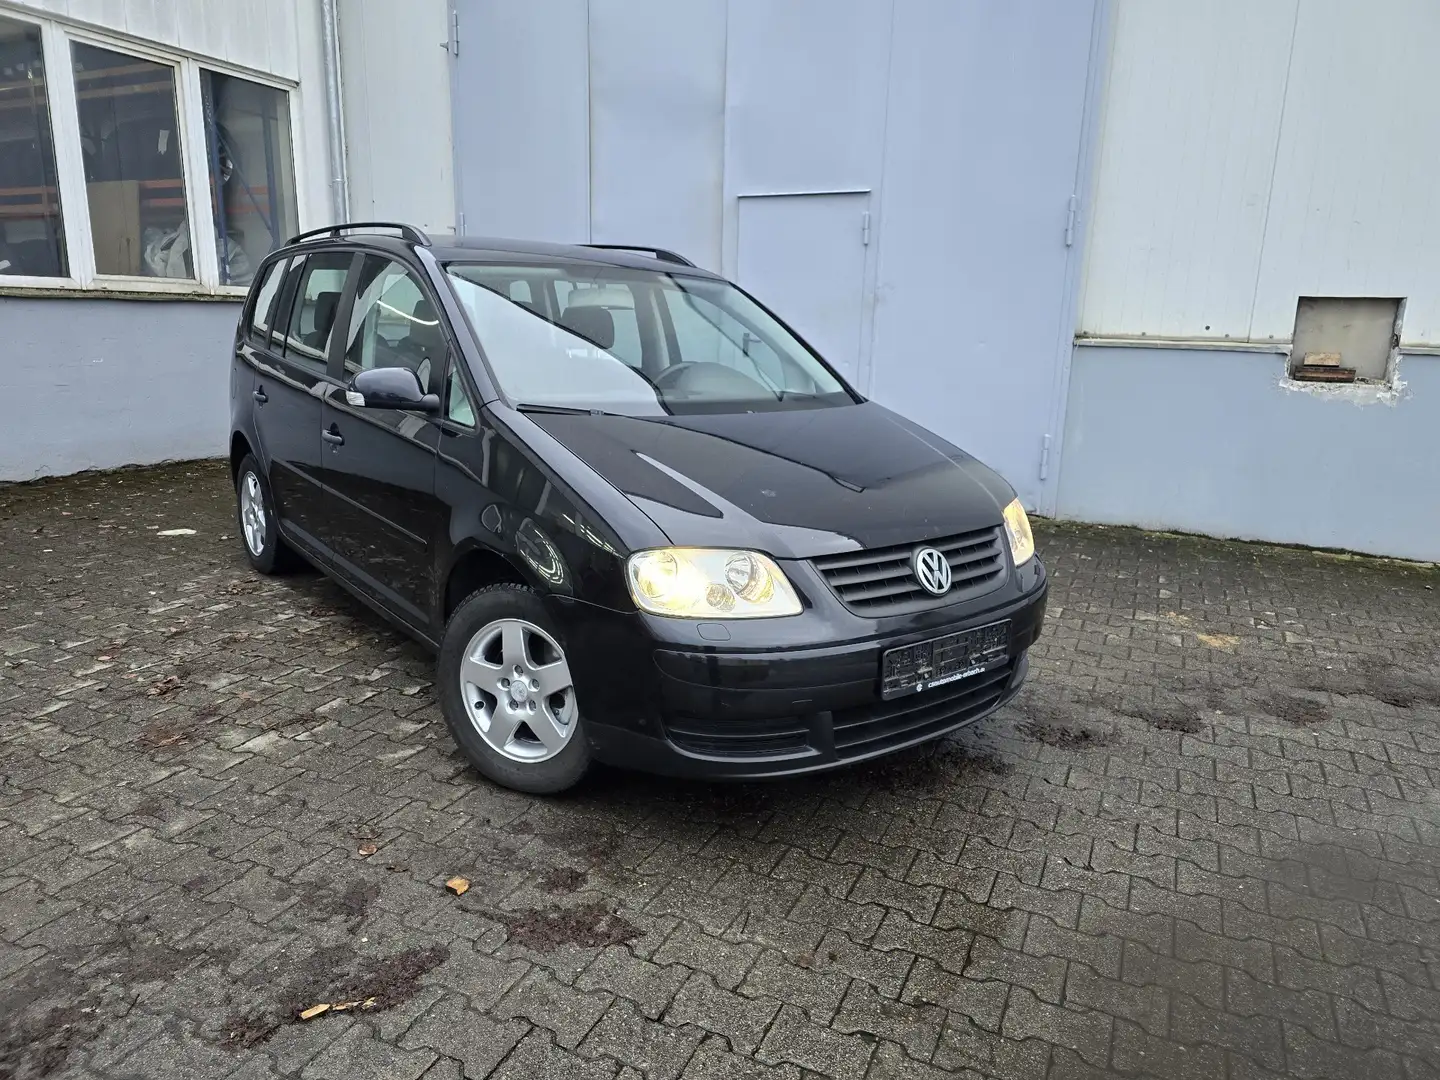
(803, 256)
(380, 463)
(289, 382)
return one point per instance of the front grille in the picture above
(739, 738)
(868, 728)
(881, 582)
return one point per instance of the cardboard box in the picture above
(115, 225)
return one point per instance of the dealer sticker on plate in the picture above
(928, 664)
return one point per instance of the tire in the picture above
(520, 737)
(273, 556)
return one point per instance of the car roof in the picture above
(500, 249)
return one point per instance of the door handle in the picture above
(259, 395)
(333, 436)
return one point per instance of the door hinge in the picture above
(460, 223)
(1071, 213)
(865, 227)
(1044, 457)
(453, 45)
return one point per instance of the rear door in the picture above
(290, 378)
(380, 463)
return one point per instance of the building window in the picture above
(132, 167)
(32, 231)
(252, 179)
(134, 171)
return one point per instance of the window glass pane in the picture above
(265, 297)
(133, 173)
(252, 176)
(393, 323)
(32, 240)
(707, 334)
(457, 401)
(618, 301)
(313, 315)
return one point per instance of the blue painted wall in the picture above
(1210, 442)
(93, 384)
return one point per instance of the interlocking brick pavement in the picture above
(1204, 842)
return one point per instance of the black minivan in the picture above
(640, 520)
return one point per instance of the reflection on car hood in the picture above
(794, 483)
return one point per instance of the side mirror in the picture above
(390, 388)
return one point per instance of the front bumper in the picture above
(728, 712)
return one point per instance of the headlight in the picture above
(1017, 528)
(709, 583)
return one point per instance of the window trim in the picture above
(57, 34)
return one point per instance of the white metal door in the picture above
(980, 231)
(803, 256)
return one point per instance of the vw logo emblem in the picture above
(932, 570)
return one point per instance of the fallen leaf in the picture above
(458, 885)
(163, 686)
(314, 1011)
(366, 850)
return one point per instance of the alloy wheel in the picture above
(517, 690)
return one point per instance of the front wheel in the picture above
(507, 692)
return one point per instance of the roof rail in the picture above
(409, 232)
(658, 253)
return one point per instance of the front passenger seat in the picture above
(595, 324)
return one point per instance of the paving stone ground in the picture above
(1204, 842)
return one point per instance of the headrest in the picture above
(594, 324)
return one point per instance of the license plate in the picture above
(928, 664)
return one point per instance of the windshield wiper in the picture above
(561, 410)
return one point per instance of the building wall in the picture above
(892, 177)
(396, 95)
(88, 381)
(94, 384)
(1217, 443)
(1250, 154)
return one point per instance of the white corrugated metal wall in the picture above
(1255, 151)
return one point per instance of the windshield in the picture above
(639, 342)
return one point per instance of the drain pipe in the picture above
(339, 177)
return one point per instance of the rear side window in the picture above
(312, 317)
(265, 293)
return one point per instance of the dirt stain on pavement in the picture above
(1298, 711)
(590, 926)
(560, 880)
(1065, 736)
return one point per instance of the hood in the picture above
(796, 483)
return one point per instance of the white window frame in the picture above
(56, 37)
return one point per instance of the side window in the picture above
(393, 322)
(265, 299)
(457, 400)
(706, 334)
(312, 316)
